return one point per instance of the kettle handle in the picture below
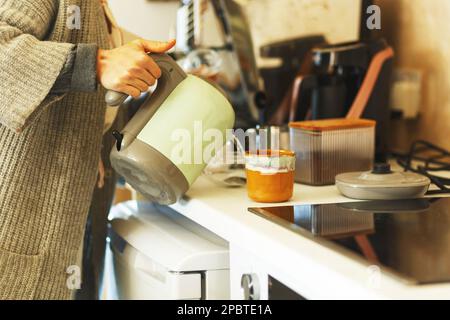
(171, 76)
(114, 98)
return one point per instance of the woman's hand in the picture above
(129, 69)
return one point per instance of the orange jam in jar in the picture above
(270, 175)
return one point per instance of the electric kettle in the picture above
(168, 142)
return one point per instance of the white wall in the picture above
(420, 33)
(273, 20)
(270, 20)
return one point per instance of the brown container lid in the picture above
(332, 124)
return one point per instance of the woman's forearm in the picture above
(29, 66)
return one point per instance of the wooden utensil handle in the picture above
(369, 82)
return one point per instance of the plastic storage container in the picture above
(326, 148)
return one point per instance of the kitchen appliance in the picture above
(382, 184)
(401, 234)
(173, 118)
(227, 33)
(205, 63)
(290, 55)
(346, 77)
(325, 148)
(230, 37)
(189, 25)
(159, 254)
(247, 91)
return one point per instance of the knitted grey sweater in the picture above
(50, 146)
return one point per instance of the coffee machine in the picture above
(336, 80)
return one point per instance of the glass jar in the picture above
(270, 175)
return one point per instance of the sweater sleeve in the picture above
(79, 73)
(29, 66)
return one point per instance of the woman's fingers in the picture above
(145, 76)
(129, 69)
(151, 66)
(142, 86)
(154, 47)
(138, 82)
(131, 91)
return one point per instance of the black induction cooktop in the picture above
(408, 238)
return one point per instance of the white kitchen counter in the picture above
(309, 268)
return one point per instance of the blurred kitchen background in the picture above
(285, 61)
(416, 29)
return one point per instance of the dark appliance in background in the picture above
(354, 74)
(365, 34)
(343, 78)
(296, 56)
(292, 53)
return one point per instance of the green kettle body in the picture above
(167, 144)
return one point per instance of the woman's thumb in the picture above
(158, 46)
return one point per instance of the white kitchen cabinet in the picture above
(243, 264)
(254, 278)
